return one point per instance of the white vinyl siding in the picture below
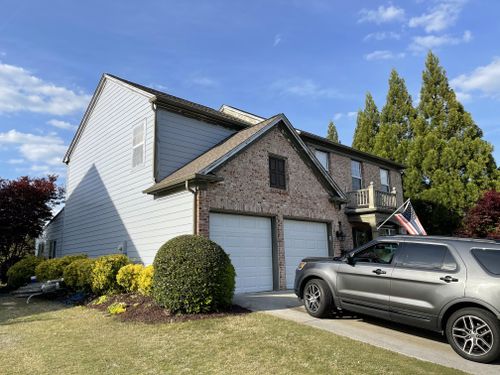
(52, 237)
(182, 139)
(322, 156)
(138, 134)
(248, 242)
(303, 239)
(106, 208)
(384, 180)
(356, 175)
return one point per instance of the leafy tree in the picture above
(396, 121)
(367, 126)
(25, 206)
(332, 134)
(483, 220)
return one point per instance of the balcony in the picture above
(371, 200)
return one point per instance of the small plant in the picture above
(146, 280)
(104, 273)
(99, 301)
(52, 269)
(78, 274)
(117, 308)
(20, 273)
(193, 275)
(128, 277)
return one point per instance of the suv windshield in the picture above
(489, 259)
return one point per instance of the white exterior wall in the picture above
(52, 232)
(182, 139)
(105, 205)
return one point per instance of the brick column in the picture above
(202, 213)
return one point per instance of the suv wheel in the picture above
(474, 334)
(318, 299)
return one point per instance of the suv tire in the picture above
(474, 333)
(318, 299)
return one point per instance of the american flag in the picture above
(409, 220)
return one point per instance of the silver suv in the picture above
(444, 284)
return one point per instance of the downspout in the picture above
(155, 139)
(195, 205)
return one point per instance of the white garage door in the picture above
(248, 241)
(303, 239)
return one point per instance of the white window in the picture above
(356, 175)
(323, 158)
(138, 144)
(384, 180)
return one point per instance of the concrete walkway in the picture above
(427, 346)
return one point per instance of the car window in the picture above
(381, 253)
(428, 256)
(489, 259)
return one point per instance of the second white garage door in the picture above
(248, 241)
(303, 239)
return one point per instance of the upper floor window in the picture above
(138, 133)
(277, 176)
(384, 180)
(356, 175)
(322, 156)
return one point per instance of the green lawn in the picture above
(47, 338)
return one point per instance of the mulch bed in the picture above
(145, 310)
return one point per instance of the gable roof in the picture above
(202, 167)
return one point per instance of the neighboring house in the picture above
(145, 166)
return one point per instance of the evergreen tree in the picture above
(396, 121)
(367, 126)
(332, 134)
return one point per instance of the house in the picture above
(145, 166)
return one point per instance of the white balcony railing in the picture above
(372, 199)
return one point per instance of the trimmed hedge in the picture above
(20, 273)
(128, 277)
(193, 275)
(146, 280)
(78, 274)
(104, 273)
(52, 269)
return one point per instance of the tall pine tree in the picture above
(367, 126)
(332, 133)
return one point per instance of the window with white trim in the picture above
(356, 175)
(322, 156)
(384, 180)
(138, 133)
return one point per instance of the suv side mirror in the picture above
(350, 260)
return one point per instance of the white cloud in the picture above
(277, 40)
(383, 55)
(15, 161)
(424, 43)
(484, 79)
(20, 91)
(339, 115)
(202, 81)
(382, 14)
(382, 35)
(62, 124)
(305, 88)
(439, 17)
(44, 149)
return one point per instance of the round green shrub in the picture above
(78, 274)
(193, 275)
(52, 269)
(19, 274)
(104, 273)
(128, 277)
(146, 280)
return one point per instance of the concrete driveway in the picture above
(427, 346)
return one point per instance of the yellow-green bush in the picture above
(128, 277)
(146, 280)
(20, 273)
(51, 269)
(117, 308)
(78, 274)
(104, 273)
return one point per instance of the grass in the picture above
(46, 338)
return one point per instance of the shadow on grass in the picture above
(12, 308)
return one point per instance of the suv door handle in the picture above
(448, 279)
(378, 271)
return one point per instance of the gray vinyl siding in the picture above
(182, 139)
(105, 204)
(53, 232)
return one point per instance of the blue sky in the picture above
(312, 60)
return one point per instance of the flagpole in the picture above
(394, 213)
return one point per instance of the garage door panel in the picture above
(303, 239)
(248, 242)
